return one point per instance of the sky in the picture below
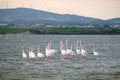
(103, 9)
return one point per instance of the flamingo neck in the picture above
(23, 51)
(61, 45)
(80, 45)
(66, 45)
(77, 45)
(93, 48)
(38, 49)
(50, 43)
(48, 46)
(29, 50)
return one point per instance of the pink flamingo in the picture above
(24, 54)
(70, 52)
(95, 53)
(63, 51)
(39, 54)
(83, 51)
(31, 53)
(78, 51)
(50, 52)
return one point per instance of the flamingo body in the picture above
(24, 54)
(70, 52)
(83, 52)
(78, 51)
(64, 52)
(31, 54)
(96, 53)
(50, 52)
(40, 55)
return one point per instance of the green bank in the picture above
(11, 30)
(63, 30)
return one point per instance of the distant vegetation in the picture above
(31, 21)
(66, 30)
(10, 30)
(74, 30)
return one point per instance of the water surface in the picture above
(14, 67)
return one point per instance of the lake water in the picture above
(14, 67)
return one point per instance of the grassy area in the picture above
(10, 30)
(54, 30)
(74, 30)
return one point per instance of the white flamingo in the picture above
(70, 52)
(83, 51)
(50, 52)
(78, 52)
(53, 51)
(39, 54)
(24, 54)
(95, 53)
(63, 51)
(31, 53)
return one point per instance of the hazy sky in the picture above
(104, 9)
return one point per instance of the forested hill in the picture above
(29, 16)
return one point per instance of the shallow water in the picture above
(14, 67)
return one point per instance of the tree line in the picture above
(61, 30)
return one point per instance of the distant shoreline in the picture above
(60, 31)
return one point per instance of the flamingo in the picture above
(83, 51)
(95, 53)
(53, 51)
(77, 49)
(31, 53)
(24, 54)
(50, 52)
(70, 52)
(63, 51)
(39, 54)
(78, 52)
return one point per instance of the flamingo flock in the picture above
(66, 53)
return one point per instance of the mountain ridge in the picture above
(30, 16)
